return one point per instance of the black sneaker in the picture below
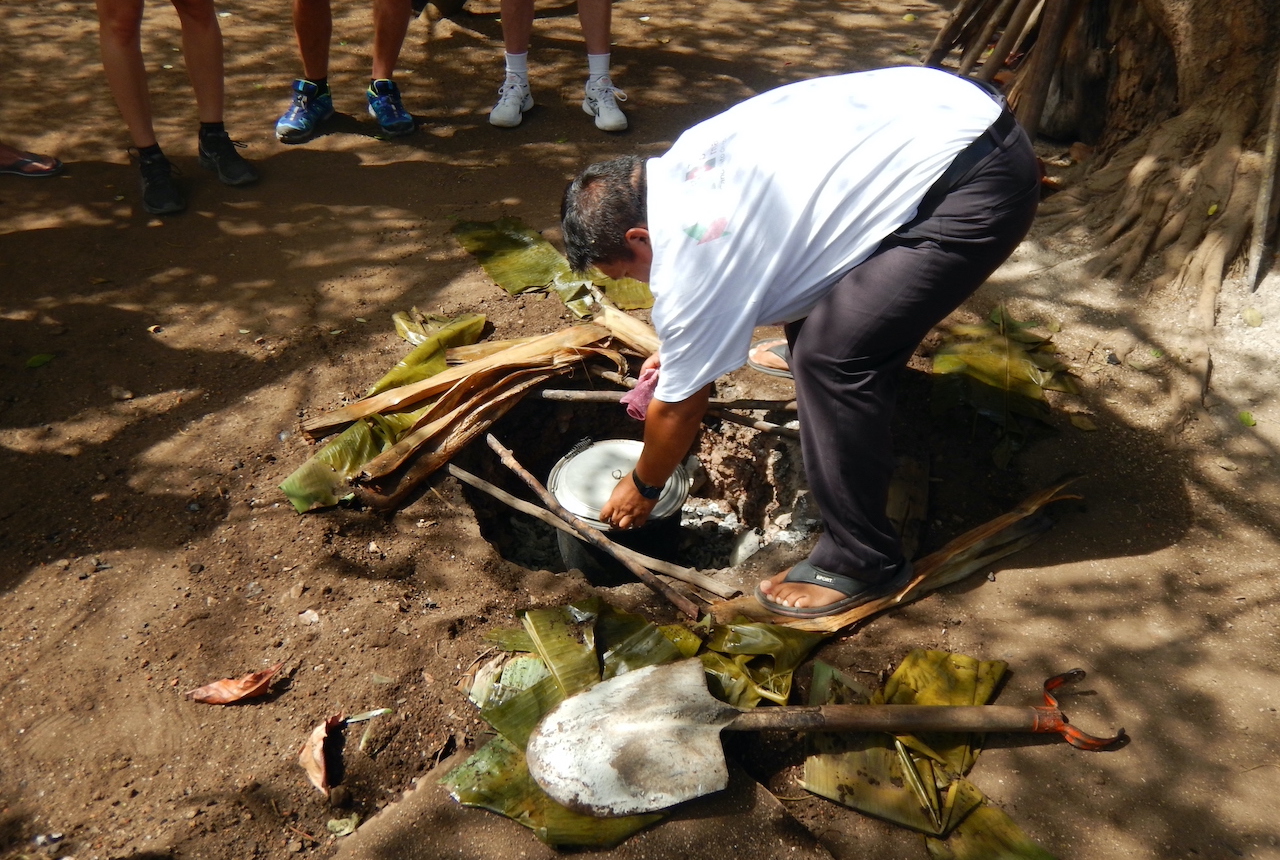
(218, 152)
(160, 194)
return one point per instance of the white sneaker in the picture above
(514, 99)
(602, 103)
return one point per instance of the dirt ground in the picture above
(147, 549)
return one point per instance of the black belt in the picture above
(969, 157)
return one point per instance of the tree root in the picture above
(1183, 193)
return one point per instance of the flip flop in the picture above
(14, 168)
(771, 356)
(857, 592)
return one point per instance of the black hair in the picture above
(600, 206)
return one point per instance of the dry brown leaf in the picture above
(230, 690)
(312, 757)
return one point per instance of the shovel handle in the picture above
(909, 719)
(901, 719)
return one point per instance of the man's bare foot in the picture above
(798, 595)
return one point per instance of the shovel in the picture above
(650, 738)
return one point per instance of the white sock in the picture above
(598, 65)
(518, 65)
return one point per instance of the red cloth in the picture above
(637, 399)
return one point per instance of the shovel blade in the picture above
(639, 742)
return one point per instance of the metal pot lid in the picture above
(583, 480)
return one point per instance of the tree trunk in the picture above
(1178, 167)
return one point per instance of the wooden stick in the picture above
(657, 565)
(718, 412)
(1058, 15)
(592, 535)
(576, 396)
(946, 37)
(1263, 213)
(974, 52)
(1008, 39)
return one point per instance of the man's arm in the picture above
(669, 430)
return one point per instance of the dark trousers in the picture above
(848, 354)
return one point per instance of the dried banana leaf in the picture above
(388, 491)
(986, 834)
(638, 335)
(496, 778)
(995, 539)
(406, 396)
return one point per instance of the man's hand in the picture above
(669, 430)
(626, 508)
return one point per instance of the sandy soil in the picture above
(148, 551)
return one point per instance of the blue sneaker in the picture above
(385, 107)
(310, 107)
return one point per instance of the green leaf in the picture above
(515, 256)
(322, 481)
(516, 716)
(40, 360)
(510, 639)
(1246, 418)
(566, 642)
(628, 641)
(496, 778)
(428, 358)
(986, 834)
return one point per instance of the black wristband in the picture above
(645, 490)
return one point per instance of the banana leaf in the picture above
(323, 480)
(567, 644)
(912, 781)
(496, 778)
(830, 686)
(628, 641)
(986, 834)
(1000, 369)
(766, 654)
(686, 641)
(510, 639)
(943, 678)
(515, 717)
(519, 259)
(428, 357)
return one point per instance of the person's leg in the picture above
(514, 96)
(517, 25)
(390, 24)
(120, 37)
(311, 102)
(847, 355)
(313, 27)
(601, 97)
(202, 50)
(596, 17)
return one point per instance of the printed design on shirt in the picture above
(711, 169)
(705, 233)
(709, 173)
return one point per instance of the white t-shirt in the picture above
(756, 212)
